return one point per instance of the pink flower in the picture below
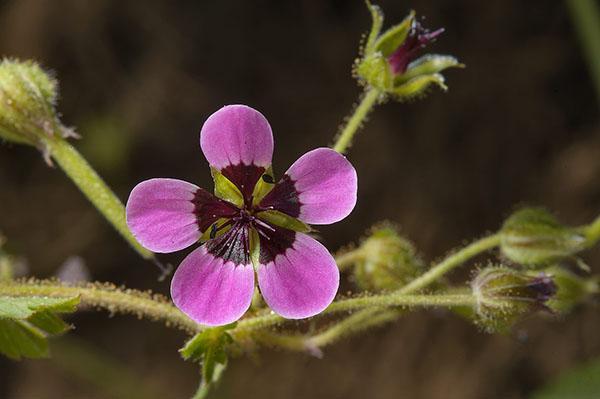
(251, 226)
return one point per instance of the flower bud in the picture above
(504, 295)
(27, 99)
(387, 260)
(532, 236)
(571, 289)
(389, 60)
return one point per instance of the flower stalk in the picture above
(94, 188)
(451, 262)
(356, 120)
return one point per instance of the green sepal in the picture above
(263, 186)
(282, 220)
(26, 322)
(225, 189)
(393, 38)
(427, 65)
(377, 18)
(418, 86)
(375, 70)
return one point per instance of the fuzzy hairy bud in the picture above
(28, 98)
(387, 262)
(532, 237)
(504, 295)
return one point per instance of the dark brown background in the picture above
(519, 125)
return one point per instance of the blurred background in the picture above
(518, 126)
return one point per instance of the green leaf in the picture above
(225, 189)
(18, 339)
(282, 220)
(582, 382)
(195, 348)
(209, 348)
(24, 307)
(393, 38)
(49, 322)
(427, 65)
(26, 322)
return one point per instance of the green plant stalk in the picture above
(94, 188)
(585, 15)
(356, 120)
(107, 297)
(351, 325)
(158, 308)
(451, 262)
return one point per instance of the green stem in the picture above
(374, 303)
(395, 299)
(585, 15)
(450, 263)
(158, 308)
(353, 324)
(94, 188)
(355, 121)
(108, 297)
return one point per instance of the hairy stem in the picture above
(94, 188)
(351, 325)
(107, 297)
(356, 120)
(451, 262)
(373, 302)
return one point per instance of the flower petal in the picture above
(160, 214)
(211, 291)
(319, 188)
(302, 281)
(237, 134)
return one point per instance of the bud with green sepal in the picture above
(389, 60)
(504, 295)
(28, 97)
(571, 289)
(385, 260)
(533, 237)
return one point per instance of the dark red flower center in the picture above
(216, 215)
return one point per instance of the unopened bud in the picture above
(532, 236)
(504, 295)
(28, 97)
(387, 260)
